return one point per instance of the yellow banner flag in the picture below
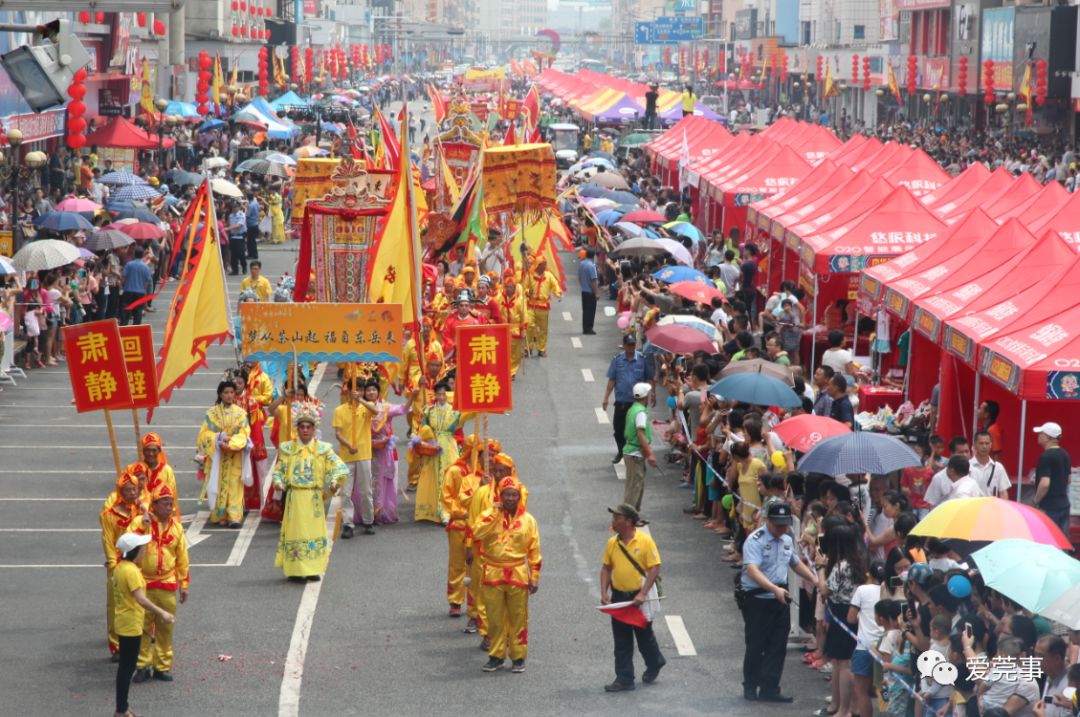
(219, 81)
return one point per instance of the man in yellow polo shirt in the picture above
(256, 282)
(352, 428)
(631, 567)
(689, 101)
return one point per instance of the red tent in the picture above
(846, 207)
(865, 149)
(919, 173)
(998, 181)
(1066, 221)
(991, 252)
(1044, 204)
(703, 137)
(782, 170)
(847, 148)
(884, 159)
(893, 226)
(1023, 187)
(122, 133)
(957, 187)
(956, 239)
(759, 215)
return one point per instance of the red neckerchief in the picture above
(161, 539)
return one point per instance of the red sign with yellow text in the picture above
(95, 361)
(138, 345)
(483, 369)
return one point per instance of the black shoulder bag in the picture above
(659, 585)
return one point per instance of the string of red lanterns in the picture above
(76, 108)
(202, 85)
(962, 75)
(1040, 82)
(264, 71)
(912, 74)
(988, 81)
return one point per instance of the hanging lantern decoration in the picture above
(99, 18)
(159, 27)
(76, 108)
(961, 75)
(140, 19)
(84, 17)
(1040, 82)
(296, 74)
(988, 82)
(866, 74)
(854, 69)
(264, 71)
(821, 68)
(912, 74)
(202, 85)
(309, 65)
(783, 68)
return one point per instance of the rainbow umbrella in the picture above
(1031, 575)
(989, 519)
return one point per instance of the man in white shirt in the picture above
(991, 476)
(1052, 652)
(940, 486)
(963, 485)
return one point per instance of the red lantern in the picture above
(961, 75)
(235, 31)
(235, 5)
(912, 74)
(140, 19)
(99, 17)
(1040, 82)
(159, 27)
(821, 68)
(84, 17)
(854, 68)
(75, 111)
(309, 65)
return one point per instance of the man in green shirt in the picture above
(638, 447)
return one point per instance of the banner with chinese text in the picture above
(138, 346)
(321, 332)
(95, 361)
(483, 369)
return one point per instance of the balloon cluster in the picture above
(76, 108)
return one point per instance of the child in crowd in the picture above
(895, 651)
(33, 319)
(941, 558)
(936, 696)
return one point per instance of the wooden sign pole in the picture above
(138, 433)
(112, 442)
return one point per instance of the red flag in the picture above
(389, 139)
(510, 138)
(438, 104)
(625, 612)
(531, 106)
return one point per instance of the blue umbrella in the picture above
(129, 210)
(608, 217)
(685, 229)
(673, 274)
(137, 191)
(756, 389)
(859, 452)
(62, 222)
(211, 124)
(125, 178)
(595, 190)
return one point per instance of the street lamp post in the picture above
(15, 139)
(161, 103)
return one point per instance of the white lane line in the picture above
(620, 472)
(243, 539)
(194, 532)
(567, 316)
(677, 628)
(586, 374)
(574, 341)
(292, 679)
(601, 416)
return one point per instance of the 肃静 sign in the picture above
(669, 30)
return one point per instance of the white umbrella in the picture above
(215, 162)
(225, 188)
(677, 250)
(6, 267)
(45, 254)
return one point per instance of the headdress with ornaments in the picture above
(306, 412)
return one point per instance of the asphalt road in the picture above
(379, 640)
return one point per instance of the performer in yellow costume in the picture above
(454, 490)
(516, 314)
(307, 471)
(165, 566)
(411, 366)
(121, 508)
(158, 470)
(512, 561)
(542, 286)
(277, 219)
(443, 419)
(255, 397)
(225, 442)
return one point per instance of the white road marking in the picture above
(194, 532)
(291, 681)
(609, 311)
(601, 416)
(677, 628)
(586, 374)
(620, 470)
(243, 539)
(567, 316)
(574, 341)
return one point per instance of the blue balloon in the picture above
(671, 402)
(959, 587)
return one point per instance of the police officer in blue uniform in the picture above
(767, 554)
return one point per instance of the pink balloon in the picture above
(624, 320)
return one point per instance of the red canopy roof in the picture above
(1031, 358)
(893, 226)
(865, 149)
(847, 206)
(919, 173)
(1066, 221)
(1057, 291)
(957, 187)
(989, 252)
(885, 158)
(1037, 208)
(1020, 188)
(844, 150)
(998, 181)
(956, 239)
(1038, 259)
(703, 136)
(122, 133)
(782, 171)
(818, 181)
(783, 224)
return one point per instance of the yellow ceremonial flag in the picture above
(234, 77)
(322, 68)
(451, 184)
(831, 90)
(146, 93)
(1025, 84)
(395, 268)
(219, 80)
(199, 315)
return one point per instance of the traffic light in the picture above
(43, 71)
